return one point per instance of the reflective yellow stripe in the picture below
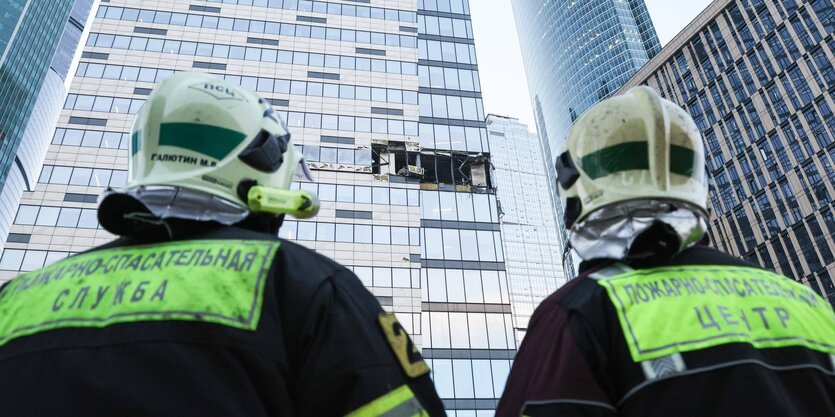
(214, 281)
(705, 306)
(398, 403)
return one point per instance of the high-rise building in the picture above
(532, 250)
(384, 100)
(38, 40)
(577, 53)
(758, 76)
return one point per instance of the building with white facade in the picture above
(384, 100)
(532, 249)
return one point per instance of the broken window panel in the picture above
(379, 155)
(459, 168)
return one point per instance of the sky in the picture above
(502, 73)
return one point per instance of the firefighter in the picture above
(198, 308)
(657, 323)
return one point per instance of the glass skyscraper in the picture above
(384, 100)
(757, 76)
(533, 254)
(577, 53)
(39, 40)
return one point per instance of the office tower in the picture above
(38, 41)
(577, 53)
(382, 98)
(532, 250)
(757, 76)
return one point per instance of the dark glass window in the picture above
(791, 200)
(829, 220)
(734, 134)
(765, 15)
(780, 150)
(792, 141)
(789, 5)
(759, 69)
(816, 125)
(802, 86)
(826, 14)
(803, 138)
(781, 205)
(708, 109)
(817, 183)
(765, 258)
(748, 174)
(768, 214)
(793, 257)
(777, 102)
(736, 85)
(782, 258)
(811, 26)
(769, 160)
(826, 115)
(747, 80)
(737, 184)
(821, 241)
(779, 53)
(748, 237)
(784, 80)
(794, 52)
(824, 65)
(807, 248)
(725, 191)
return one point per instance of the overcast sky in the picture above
(503, 83)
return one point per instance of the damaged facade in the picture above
(432, 168)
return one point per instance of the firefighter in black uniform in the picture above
(657, 323)
(199, 309)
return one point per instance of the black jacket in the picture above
(575, 360)
(319, 343)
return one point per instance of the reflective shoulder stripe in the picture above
(610, 271)
(663, 367)
(400, 402)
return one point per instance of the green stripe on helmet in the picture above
(634, 156)
(616, 158)
(213, 141)
(136, 142)
(682, 161)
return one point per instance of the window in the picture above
(47, 216)
(306, 231)
(362, 234)
(26, 214)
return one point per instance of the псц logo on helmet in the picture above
(218, 91)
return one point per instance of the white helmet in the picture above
(627, 150)
(206, 149)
